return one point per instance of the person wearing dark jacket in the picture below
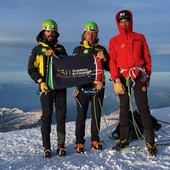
(38, 70)
(93, 92)
(130, 66)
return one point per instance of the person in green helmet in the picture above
(90, 93)
(37, 69)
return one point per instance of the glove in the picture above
(98, 85)
(75, 93)
(43, 86)
(118, 87)
(101, 56)
(49, 53)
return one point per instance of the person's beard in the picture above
(50, 39)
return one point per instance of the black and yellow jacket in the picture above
(86, 49)
(38, 60)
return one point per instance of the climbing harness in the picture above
(132, 75)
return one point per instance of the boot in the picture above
(152, 149)
(96, 145)
(61, 151)
(79, 148)
(47, 152)
(121, 144)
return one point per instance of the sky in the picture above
(21, 21)
(22, 149)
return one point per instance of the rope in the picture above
(95, 116)
(94, 93)
(102, 113)
(137, 131)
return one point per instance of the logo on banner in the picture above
(73, 73)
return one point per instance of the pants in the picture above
(96, 104)
(58, 97)
(140, 94)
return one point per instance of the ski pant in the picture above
(96, 104)
(57, 97)
(140, 94)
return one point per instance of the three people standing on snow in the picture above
(129, 61)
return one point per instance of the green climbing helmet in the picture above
(91, 26)
(49, 25)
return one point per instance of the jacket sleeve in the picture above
(77, 51)
(147, 57)
(112, 61)
(106, 63)
(32, 69)
(63, 50)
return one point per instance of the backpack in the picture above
(132, 133)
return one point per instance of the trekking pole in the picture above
(78, 102)
(165, 132)
(75, 95)
(164, 121)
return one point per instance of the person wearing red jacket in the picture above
(130, 66)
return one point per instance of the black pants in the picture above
(140, 94)
(96, 103)
(57, 97)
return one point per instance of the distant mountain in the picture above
(24, 96)
(14, 119)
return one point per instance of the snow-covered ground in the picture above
(22, 149)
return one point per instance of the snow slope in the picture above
(22, 149)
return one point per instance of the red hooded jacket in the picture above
(128, 50)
